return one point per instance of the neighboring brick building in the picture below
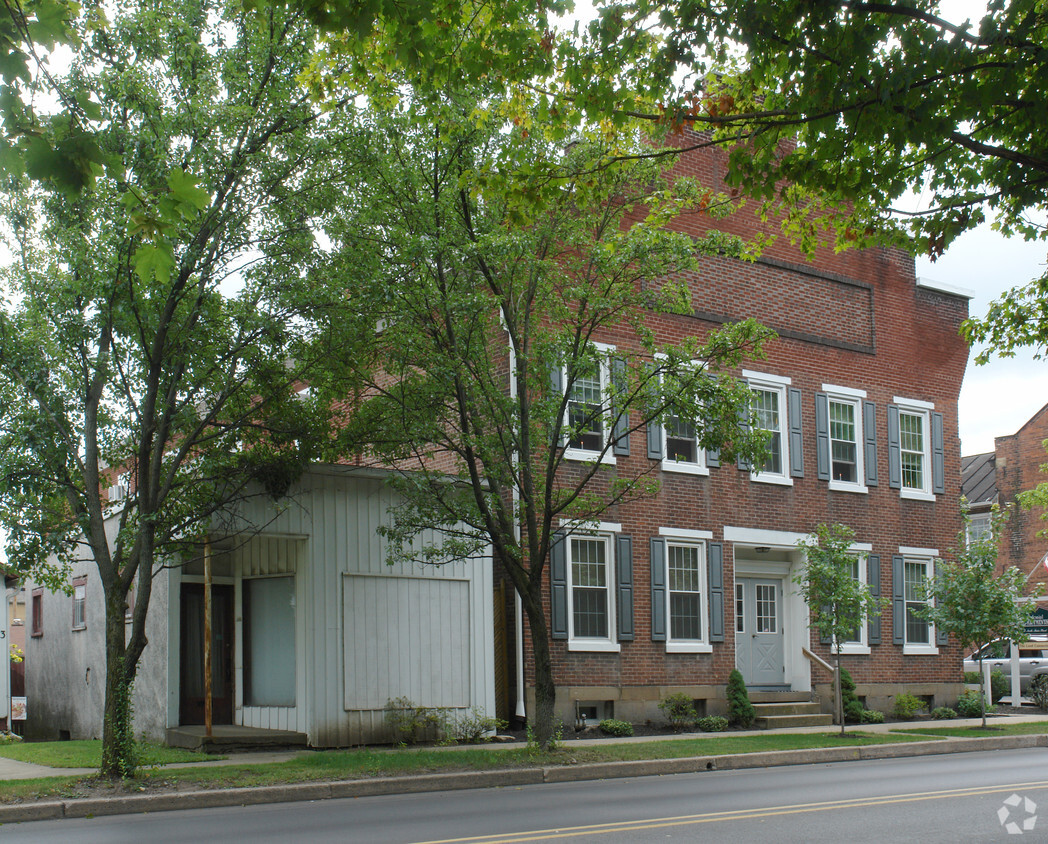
(860, 391)
(997, 477)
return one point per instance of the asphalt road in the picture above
(959, 797)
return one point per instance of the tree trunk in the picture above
(837, 691)
(118, 746)
(542, 722)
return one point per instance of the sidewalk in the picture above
(54, 809)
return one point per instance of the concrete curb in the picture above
(91, 807)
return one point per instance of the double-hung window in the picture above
(588, 411)
(79, 603)
(916, 568)
(843, 447)
(915, 449)
(856, 642)
(686, 596)
(979, 526)
(918, 628)
(681, 592)
(591, 604)
(769, 408)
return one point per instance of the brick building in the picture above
(859, 393)
(997, 477)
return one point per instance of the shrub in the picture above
(971, 677)
(408, 722)
(614, 727)
(907, 706)
(1039, 692)
(999, 685)
(872, 716)
(679, 710)
(852, 704)
(713, 724)
(467, 727)
(740, 711)
(942, 713)
(969, 705)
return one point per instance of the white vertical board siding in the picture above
(333, 517)
(406, 637)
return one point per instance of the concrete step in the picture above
(775, 722)
(778, 697)
(805, 707)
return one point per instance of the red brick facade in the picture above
(855, 320)
(1017, 466)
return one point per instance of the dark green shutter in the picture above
(619, 409)
(796, 432)
(942, 638)
(654, 441)
(938, 456)
(658, 589)
(869, 429)
(873, 580)
(744, 426)
(822, 436)
(624, 591)
(898, 602)
(716, 573)
(894, 449)
(558, 578)
(713, 457)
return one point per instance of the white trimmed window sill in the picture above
(779, 480)
(583, 456)
(594, 646)
(684, 468)
(920, 650)
(842, 486)
(916, 495)
(688, 648)
(855, 650)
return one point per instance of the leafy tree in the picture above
(149, 322)
(491, 285)
(837, 600)
(975, 602)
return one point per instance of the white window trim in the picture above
(848, 395)
(586, 455)
(777, 384)
(699, 467)
(926, 556)
(586, 644)
(916, 407)
(862, 647)
(689, 539)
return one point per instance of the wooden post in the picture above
(207, 637)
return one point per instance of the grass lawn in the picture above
(356, 764)
(88, 754)
(993, 728)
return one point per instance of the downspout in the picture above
(517, 603)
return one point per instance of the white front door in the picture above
(759, 631)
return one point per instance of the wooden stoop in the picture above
(787, 709)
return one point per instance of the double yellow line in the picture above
(741, 814)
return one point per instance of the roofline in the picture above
(945, 287)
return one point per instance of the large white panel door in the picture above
(759, 631)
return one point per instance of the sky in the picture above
(999, 397)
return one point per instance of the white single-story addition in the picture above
(312, 631)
